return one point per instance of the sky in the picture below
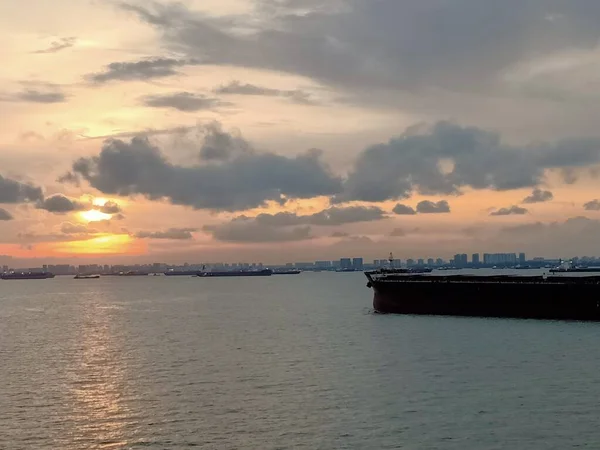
(297, 130)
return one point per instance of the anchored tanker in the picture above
(535, 297)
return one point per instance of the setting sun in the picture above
(93, 215)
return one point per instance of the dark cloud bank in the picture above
(231, 175)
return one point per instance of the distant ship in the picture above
(567, 267)
(86, 277)
(180, 273)
(26, 276)
(287, 272)
(236, 273)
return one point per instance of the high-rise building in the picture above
(345, 263)
(421, 262)
(357, 263)
(460, 260)
(430, 261)
(410, 262)
(475, 259)
(500, 258)
(522, 258)
(439, 262)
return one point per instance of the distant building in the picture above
(500, 258)
(460, 260)
(439, 262)
(475, 259)
(421, 262)
(322, 264)
(357, 264)
(430, 262)
(345, 263)
(522, 258)
(410, 262)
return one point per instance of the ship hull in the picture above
(257, 273)
(511, 300)
(27, 276)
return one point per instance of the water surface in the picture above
(284, 362)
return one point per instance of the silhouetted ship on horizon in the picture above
(235, 273)
(26, 276)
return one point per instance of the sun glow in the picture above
(93, 215)
(106, 244)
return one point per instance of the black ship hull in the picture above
(235, 273)
(550, 300)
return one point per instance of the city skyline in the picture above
(262, 129)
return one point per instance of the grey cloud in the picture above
(59, 204)
(110, 207)
(445, 158)
(219, 145)
(249, 231)
(59, 45)
(75, 228)
(35, 96)
(398, 232)
(143, 70)
(593, 205)
(329, 217)
(463, 44)
(12, 191)
(576, 235)
(404, 210)
(510, 211)
(238, 88)
(5, 215)
(428, 207)
(181, 234)
(182, 101)
(539, 196)
(242, 182)
(339, 234)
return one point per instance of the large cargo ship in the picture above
(26, 276)
(236, 273)
(528, 297)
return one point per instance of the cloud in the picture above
(445, 158)
(398, 232)
(5, 215)
(593, 205)
(59, 204)
(539, 196)
(219, 145)
(143, 70)
(428, 207)
(181, 234)
(110, 207)
(510, 211)
(12, 191)
(238, 88)
(339, 234)
(76, 228)
(333, 42)
(182, 101)
(573, 236)
(57, 46)
(404, 210)
(35, 96)
(244, 181)
(249, 231)
(328, 217)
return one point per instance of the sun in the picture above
(93, 215)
